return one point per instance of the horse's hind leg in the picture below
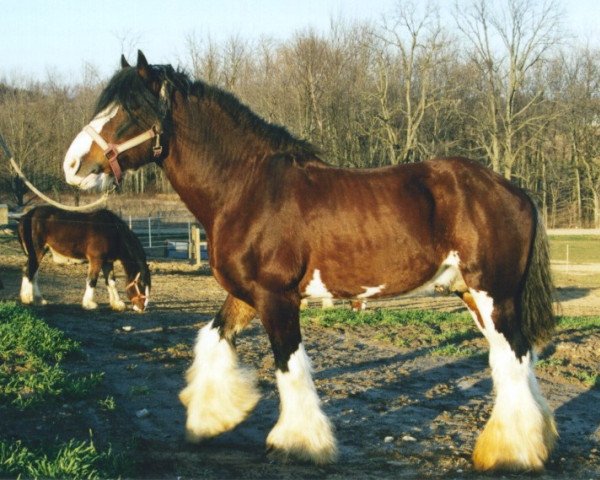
(520, 432)
(302, 430)
(111, 285)
(219, 392)
(90, 285)
(30, 290)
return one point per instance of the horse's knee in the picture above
(233, 317)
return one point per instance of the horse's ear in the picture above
(124, 62)
(143, 67)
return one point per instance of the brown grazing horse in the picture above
(282, 225)
(100, 237)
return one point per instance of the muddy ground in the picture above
(398, 413)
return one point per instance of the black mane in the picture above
(128, 89)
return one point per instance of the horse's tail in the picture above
(537, 295)
(24, 230)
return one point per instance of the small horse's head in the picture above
(138, 293)
(128, 129)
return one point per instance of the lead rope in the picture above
(71, 208)
(80, 208)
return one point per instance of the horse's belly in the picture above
(62, 259)
(446, 279)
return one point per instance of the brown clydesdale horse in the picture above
(282, 225)
(100, 237)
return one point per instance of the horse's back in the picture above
(76, 235)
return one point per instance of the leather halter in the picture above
(134, 283)
(112, 151)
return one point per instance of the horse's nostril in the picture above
(73, 165)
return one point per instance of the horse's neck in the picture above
(131, 265)
(209, 168)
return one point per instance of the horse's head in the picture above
(130, 127)
(139, 293)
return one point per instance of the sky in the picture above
(39, 38)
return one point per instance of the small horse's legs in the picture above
(111, 285)
(521, 432)
(219, 392)
(92, 279)
(30, 290)
(302, 430)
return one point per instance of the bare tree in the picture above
(506, 46)
(410, 52)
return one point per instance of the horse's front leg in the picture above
(90, 286)
(219, 392)
(111, 285)
(302, 430)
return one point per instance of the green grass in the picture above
(446, 334)
(582, 248)
(139, 390)
(343, 316)
(451, 335)
(31, 357)
(34, 379)
(451, 350)
(108, 404)
(580, 324)
(72, 460)
(566, 367)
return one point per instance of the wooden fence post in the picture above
(3, 215)
(196, 245)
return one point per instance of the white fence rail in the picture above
(171, 238)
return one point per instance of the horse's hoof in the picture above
(89, 305)
(119, 307)
(316, 446)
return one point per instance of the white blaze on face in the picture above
(81, 146)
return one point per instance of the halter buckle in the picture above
(112, 154)
(157, 148)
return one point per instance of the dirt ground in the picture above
(398, 413)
